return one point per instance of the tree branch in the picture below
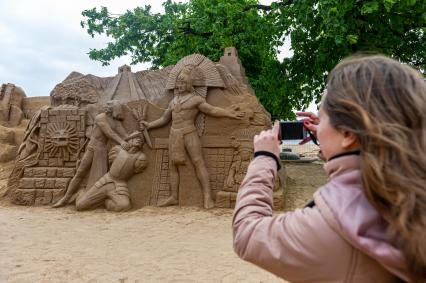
(258, 7)
(188, 30)
(265, 7)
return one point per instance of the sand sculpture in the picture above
(112, 189)
(182, 111)
(176, 136)
(15, 108)
(107, 126)
(11, 99)
(11, 115)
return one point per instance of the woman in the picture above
(368, 223)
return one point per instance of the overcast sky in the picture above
(41, 41)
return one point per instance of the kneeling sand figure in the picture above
(111, 189)
(182, 111)
(108, 127)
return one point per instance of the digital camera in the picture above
(292, 130)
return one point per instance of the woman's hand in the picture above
(310, 123)
(268, 140)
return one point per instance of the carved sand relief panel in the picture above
(218, 161)
(62, 140)
(161, 183)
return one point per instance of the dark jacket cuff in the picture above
(270, 154)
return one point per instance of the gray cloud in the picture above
(41, 41)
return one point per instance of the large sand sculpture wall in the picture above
(59, 138)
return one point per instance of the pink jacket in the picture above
(341, 239)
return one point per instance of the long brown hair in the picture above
(384, 103)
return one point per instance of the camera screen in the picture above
(292, 130)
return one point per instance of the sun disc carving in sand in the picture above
(61, 140)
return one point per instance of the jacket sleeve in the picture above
(292, 245)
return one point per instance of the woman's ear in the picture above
(349, 141)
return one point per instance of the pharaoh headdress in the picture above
(204, 73)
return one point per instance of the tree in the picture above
(322, 32)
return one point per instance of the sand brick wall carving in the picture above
(218, 161)
(63, 136)
(160, 186)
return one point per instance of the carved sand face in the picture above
(114, 108)
(183, 83)
(117, 112)
(60, 138)
(136, 142)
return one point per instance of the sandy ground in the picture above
(42, 244)
(147, 245)
(303, 180)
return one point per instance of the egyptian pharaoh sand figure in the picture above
(108, 126)
(111, 189)
(182, 111)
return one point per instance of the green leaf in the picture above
(338, 39)
(389, 4)
(352, 38)
(370, 7)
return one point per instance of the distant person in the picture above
(368, 223)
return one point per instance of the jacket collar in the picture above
(341, 163)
